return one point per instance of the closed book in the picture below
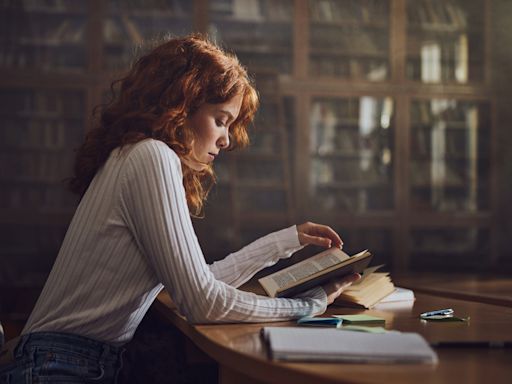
(331, 344)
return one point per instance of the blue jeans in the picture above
(52, 357)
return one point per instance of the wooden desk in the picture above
(484, 289)
(242, 357)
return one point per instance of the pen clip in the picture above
(448, 312)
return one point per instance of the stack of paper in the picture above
(331, 344)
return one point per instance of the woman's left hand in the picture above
(317, 234)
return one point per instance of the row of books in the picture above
(434, 61)
(64, 60)
(38, 167)
(264, 143)
(351, 68)
(41, 134)
(438, 173)
(357, 200)
(52, 5)
(257, 61)
(39, 198)
(27, 254)
(347, 143)
(466, 113)
(438, 13)
(152, 7)
(340, 11)
(348, 173)
(442, 241)
(39, 103)
(262, 170)
(261, 201)
(456, 145)
(355, 42)
(253, 10)
(449, 200)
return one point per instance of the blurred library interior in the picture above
(385, 119)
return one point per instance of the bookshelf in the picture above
(399, 131)
(354, 95)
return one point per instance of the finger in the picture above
(321, 241)
(326, 231)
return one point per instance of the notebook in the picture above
(331, 344)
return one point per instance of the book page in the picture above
(303, 270)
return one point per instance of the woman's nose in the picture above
(223, 141)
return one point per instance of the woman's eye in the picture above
(219, 123)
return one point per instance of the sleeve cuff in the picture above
(318, 297)
(287, 241)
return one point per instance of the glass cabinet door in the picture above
(351, 148)
(131, 23)
(43, 35)
(349, 39)
(39, 132)
(260, 32)
(445, 41)
(450, 162)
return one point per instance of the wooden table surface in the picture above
(243, 358)
(482, 288)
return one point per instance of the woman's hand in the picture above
(334, 288)
(322, 235)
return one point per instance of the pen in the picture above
(473, 344)
(438, 312)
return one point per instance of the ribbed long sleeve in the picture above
(131, 234)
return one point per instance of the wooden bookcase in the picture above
(354, 95)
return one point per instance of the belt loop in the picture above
(18, 349)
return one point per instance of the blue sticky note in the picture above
(332, 322)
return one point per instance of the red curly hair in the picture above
(154, 99)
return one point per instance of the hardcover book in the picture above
(314, 271)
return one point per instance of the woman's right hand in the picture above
(335, 287)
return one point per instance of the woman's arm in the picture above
(153, 199)
(238, 267)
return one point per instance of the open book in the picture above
(314, 271)
(369, 290)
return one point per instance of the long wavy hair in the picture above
(154, 99)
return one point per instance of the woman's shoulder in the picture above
(152, 150)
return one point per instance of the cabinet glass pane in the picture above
(349, 39)
(43, 35)
(132, 23)
(450, 163)
(379, 241)
(449, 249)
(445, 41)
(40, 130)
(351, 147)
(260, 32)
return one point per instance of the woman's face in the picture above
(210, 124)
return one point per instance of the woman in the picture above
(141, 172)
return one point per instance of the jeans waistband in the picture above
(76, 343)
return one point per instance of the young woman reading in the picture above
(142, 172)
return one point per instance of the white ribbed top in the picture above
(131, 236)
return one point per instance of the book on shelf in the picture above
(314, 271)
(368, 291)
